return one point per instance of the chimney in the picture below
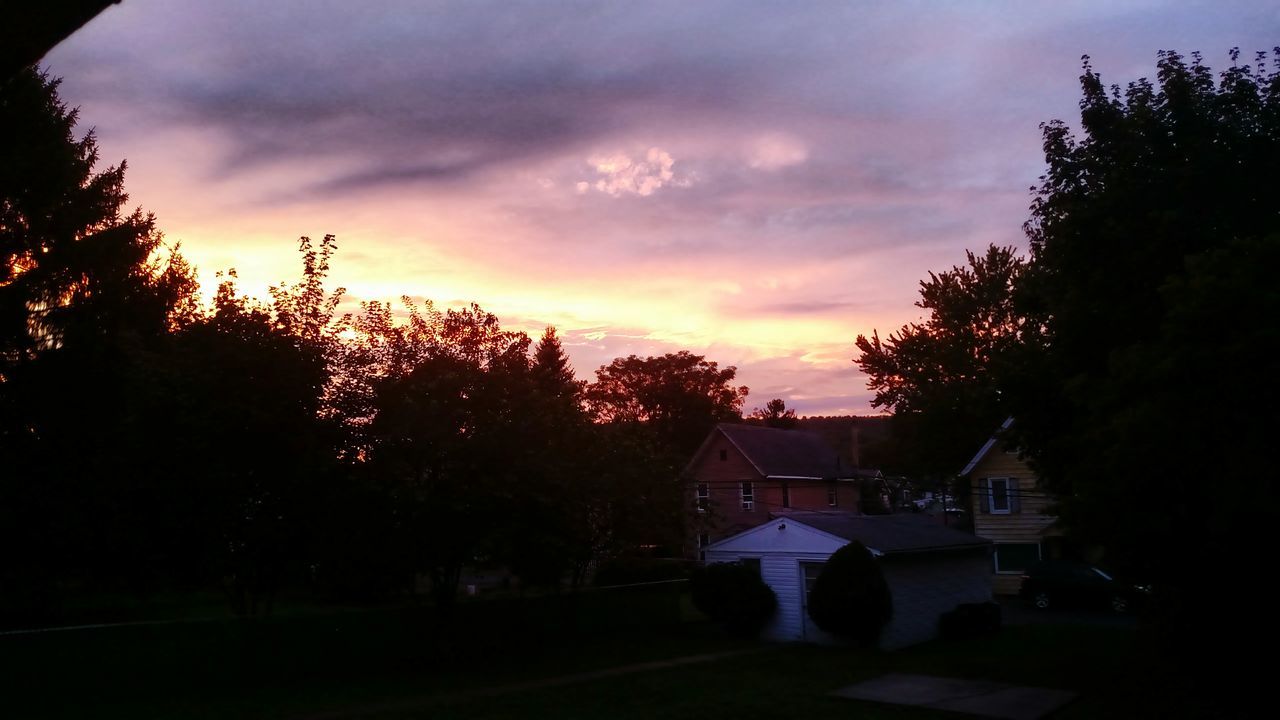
(854, 446)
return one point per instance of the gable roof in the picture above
(889, 534)
(777, 453)
(881, 534)
(986, 448)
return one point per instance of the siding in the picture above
(923, 585)
(928, 585)
(1030, 525)
(724, 479)
(781, 572)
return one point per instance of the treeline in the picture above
(151, 443)
(1135, 347)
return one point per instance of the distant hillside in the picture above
(874, 439)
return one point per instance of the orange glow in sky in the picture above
(752, 182)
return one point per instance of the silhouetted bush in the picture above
(734, 596)
(969, 620)
(851, 599)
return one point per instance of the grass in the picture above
(478, 666)
(795, 681)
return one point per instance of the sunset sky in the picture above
(756, 182)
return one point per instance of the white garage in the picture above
(929, 568)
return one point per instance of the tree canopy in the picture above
(681, 396)
(939, 377)
(1146, 404)
(1155, 220)
(774, 414)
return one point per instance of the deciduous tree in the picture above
(1148, 406)
(939, 376)
(774, 414)
(681, 396)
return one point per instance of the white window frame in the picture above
(747, 491)
(703, 491)
(991, 496)
(833, 497)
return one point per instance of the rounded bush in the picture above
(850, 599)
(734, 596)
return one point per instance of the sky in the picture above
(756, 182)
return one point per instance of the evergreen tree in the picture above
(87, 300)
(551, 370)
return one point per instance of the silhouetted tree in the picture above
(552, 372)
(775, 414)
(939, 377)
(87, 301)
(246, 432)
(1148, 404)
(449, 403)
(551, 536)
(652, 414)
(681, 396)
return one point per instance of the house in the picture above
(742, 473)
(930, 569)
(1009, 508)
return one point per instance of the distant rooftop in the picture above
(888, 534)
(781, 453)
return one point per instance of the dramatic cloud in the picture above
(620, 175)
(757, 181)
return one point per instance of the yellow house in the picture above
(1009, 509)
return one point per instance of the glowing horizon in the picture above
(753, 183)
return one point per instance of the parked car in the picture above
(1059, 583)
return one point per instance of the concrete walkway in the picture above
(976, 697)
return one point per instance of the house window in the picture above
(748, 496)
(704, 497)
(703, 541)
(786, 494)
(1016, 557)
(999, 498)
(752, 564)
(832, 500)
(724, 455)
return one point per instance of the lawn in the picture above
(794, 681)
(487, 661)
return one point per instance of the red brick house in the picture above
(742, 475)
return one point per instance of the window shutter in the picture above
(984, 495)
(1015, 497)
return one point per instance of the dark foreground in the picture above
(641, 655)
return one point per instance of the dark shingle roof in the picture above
(889, 533)
(787, 453)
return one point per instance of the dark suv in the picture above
(1059, 583)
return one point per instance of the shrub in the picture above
(850, 599)
(734, 596)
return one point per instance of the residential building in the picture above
(1010, 508)
(743, 474)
